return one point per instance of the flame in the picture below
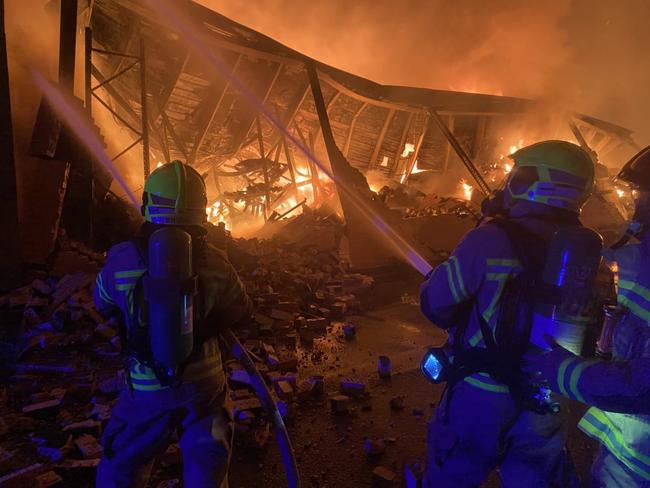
(467, 190)
(620, 193)
(516, 147)
(507, 168)
(159, 164)
(217, 212)
(408, 149)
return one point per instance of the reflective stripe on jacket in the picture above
(615, 386)
(475, 276)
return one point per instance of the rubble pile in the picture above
(62, 371)
(63, 364)
(433, 206)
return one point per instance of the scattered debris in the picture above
(383, 477)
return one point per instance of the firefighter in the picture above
(158, 402)
(619, 392)
(481, 423)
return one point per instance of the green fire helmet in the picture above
(174, 194)
(555, 173)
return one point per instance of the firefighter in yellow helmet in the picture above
(172, 292)
(487, 418)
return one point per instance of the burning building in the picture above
(330, 179)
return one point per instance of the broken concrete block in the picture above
(383, 477)
(340, 404)
(48, 479)
(352, 387)
(88, 446)
(384, 367)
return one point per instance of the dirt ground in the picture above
(330, 449)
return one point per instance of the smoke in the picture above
(590, 56)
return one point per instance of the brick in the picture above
(384, 367)
(352, 387)
(88, 446)
(48, 479)
(339, 404)
(238, 407)
(284, 390)
(42, 406)
(383, 477)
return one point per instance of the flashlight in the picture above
(435, 365)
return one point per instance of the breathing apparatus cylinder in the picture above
(570, 271)
(169, 288)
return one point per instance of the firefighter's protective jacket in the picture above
(222, 303)
(473, 279)
(615, 386)
(626, 436)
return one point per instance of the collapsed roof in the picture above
(197, 116)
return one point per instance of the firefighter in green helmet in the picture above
(172, 292)
(487, 418)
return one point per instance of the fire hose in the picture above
(262, 392)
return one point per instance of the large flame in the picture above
(467, 190)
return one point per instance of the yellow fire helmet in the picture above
(174, 194)
(555, 173)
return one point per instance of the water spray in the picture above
(77, 124)
(402, 247)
